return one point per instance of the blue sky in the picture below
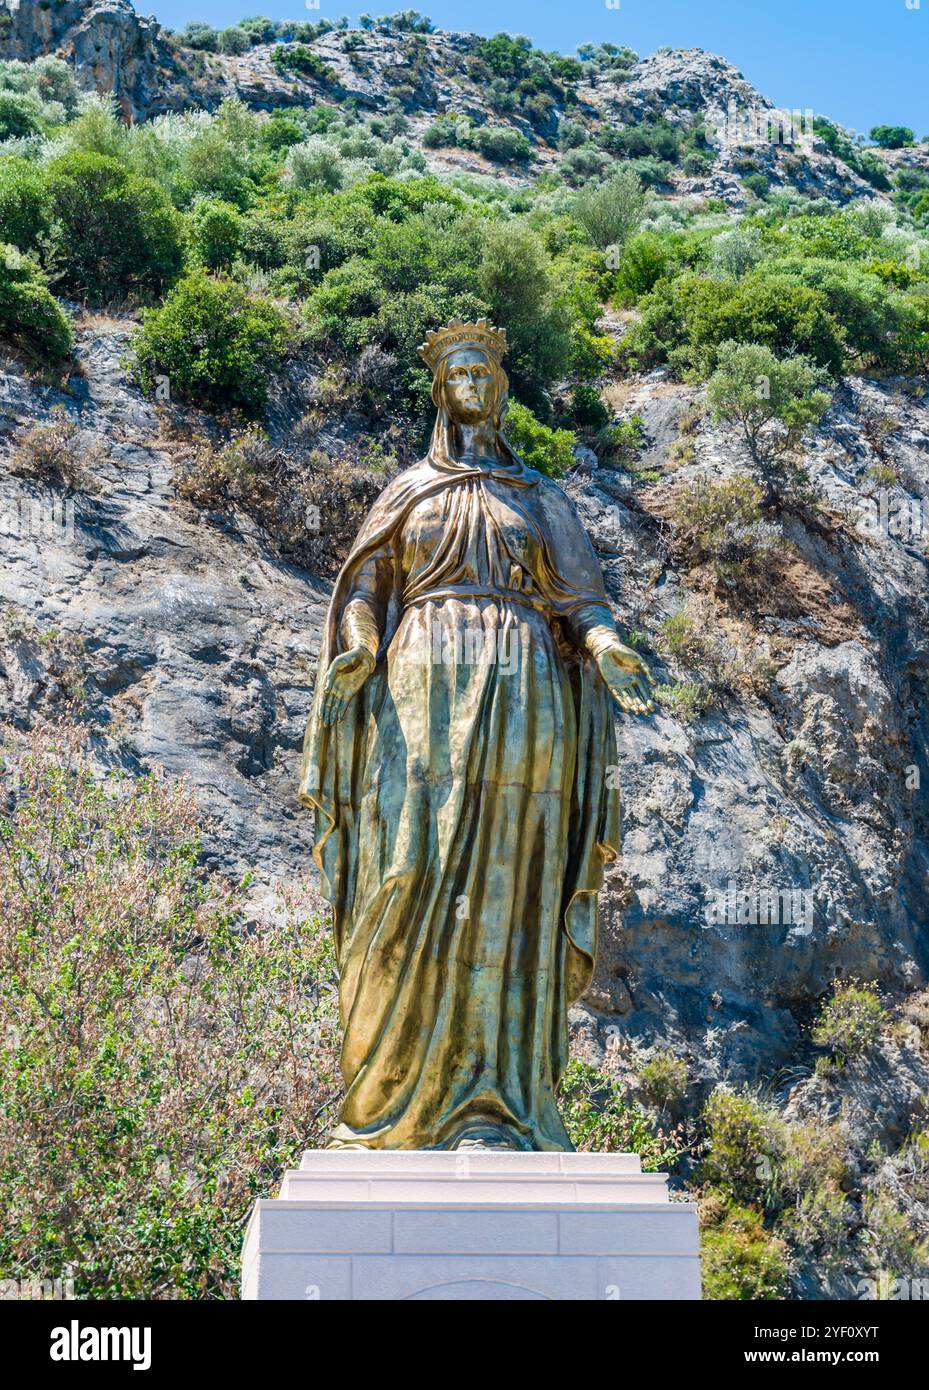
(862, 62)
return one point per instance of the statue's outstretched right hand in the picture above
(345, 677)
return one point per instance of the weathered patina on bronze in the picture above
(460, 757)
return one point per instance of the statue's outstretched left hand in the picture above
(345, 677)
(628, 678)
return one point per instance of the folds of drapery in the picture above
(333, 756)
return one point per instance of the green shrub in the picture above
(582, 164)
(501, 143)
(646, 259)
(234, 40)
(160, 1064)
(682, 638)
(657, 138)
(773, 401)
(46, 90)
(25, 210)
(743, 1145)
(587, 410)
(685, 320)
(862, 161)
(664, 1079)
(757, 184)
(200, 36)
(217, 345)
(116, 234)
(851, 1021)
(739, 1259)
(20, 115)
(599, 1119)
(214, 229)
(683, 700)
(280, 131)
(300, 59)
(651, 172)
(913, 339)
(611, 212)
(721, 524)
(30, 318)
(548, 450)
(737, 252)
(517, 280)
(620, 443)
(891, 137)
(315, 164)
(869, 312)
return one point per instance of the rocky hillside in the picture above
(115, 51)
(775, 823)
(194, 646)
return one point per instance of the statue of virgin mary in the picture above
(460, 757)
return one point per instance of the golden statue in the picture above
(460, 757)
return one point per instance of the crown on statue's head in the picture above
(441, 341)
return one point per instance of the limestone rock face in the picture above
(196, 647)
(113, 49)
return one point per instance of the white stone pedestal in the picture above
(491, 1224)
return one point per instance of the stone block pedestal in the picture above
(486, 1224)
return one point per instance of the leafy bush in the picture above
(862, 161)
(517, 281)
(743, 1147)
(30, 318)
(160, 1064)
(891, 137)
(216, 344)
(686, 319)
(851, 1021)
(737, 252)
(234, 40)
(300, 59)
(721, 524)
(214, 229)
(582, 164)
(548, 450)
(684, 700)
(757, 184)
(45, 87)
(308, 505)
(501, 143)
(913, 339)
(657, 138)
(664, 1079)
(647, 258)
(621, 442)
(25, 210)
(739, 1259)
(198, 35)
(116, 234)
(599, 1119)
(772, 400)
(611, 212)
(869, 312)
(20, 115)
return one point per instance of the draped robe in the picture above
(465, 806)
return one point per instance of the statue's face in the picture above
(469, 386)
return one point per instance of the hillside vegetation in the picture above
(216, 263)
